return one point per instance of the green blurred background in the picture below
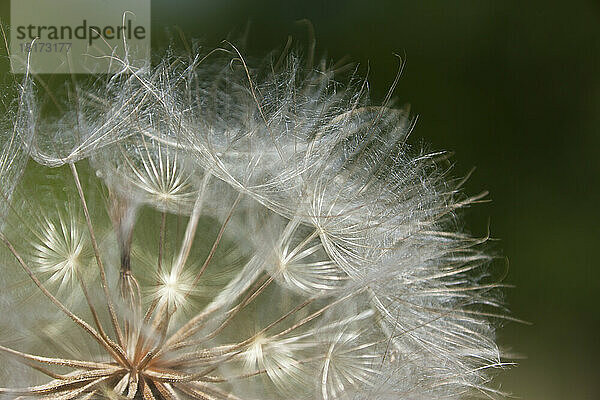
(513, 88)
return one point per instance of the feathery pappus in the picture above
(208, 229)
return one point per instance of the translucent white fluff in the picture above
(230, 232)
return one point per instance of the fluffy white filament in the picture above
(236, 233)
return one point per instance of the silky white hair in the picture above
(273, 235)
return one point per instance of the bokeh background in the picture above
(513, 88)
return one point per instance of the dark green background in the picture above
(513, 88)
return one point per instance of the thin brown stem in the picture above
(193, 326)
(104, 282)
(117, 353)
(84, 325)
(216, 242)
(55, 361)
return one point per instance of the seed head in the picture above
(229, 232)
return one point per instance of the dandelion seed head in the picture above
(303, 266)
(255, 233)
(60, 250)
(150, 170)
(174, 289)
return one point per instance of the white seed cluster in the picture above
(204, 229)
